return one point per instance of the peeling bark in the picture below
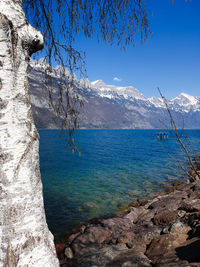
(24, 236)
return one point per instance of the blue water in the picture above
(115, 168)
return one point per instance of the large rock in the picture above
(117, 225)
(131, 258)
(165, 217)
(168, 202)
(134, 214)
(91, 239)
(163, 248)
(190, 205)
(101, 257)
(139, 237)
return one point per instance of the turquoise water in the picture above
(115, 168)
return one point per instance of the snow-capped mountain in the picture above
(112, 92)
(185, 103)
(157, 102)
(110, 106)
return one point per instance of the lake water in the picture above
(115, 168)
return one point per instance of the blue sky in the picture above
(170, 59)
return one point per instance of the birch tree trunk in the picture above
(24, 236)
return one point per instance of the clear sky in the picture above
(170, 59)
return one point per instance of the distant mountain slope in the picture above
(112, 107)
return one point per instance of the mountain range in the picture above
(110, 106)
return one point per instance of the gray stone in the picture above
(68, 253)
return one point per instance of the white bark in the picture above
(24, 236)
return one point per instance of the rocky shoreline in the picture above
(163, 230)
